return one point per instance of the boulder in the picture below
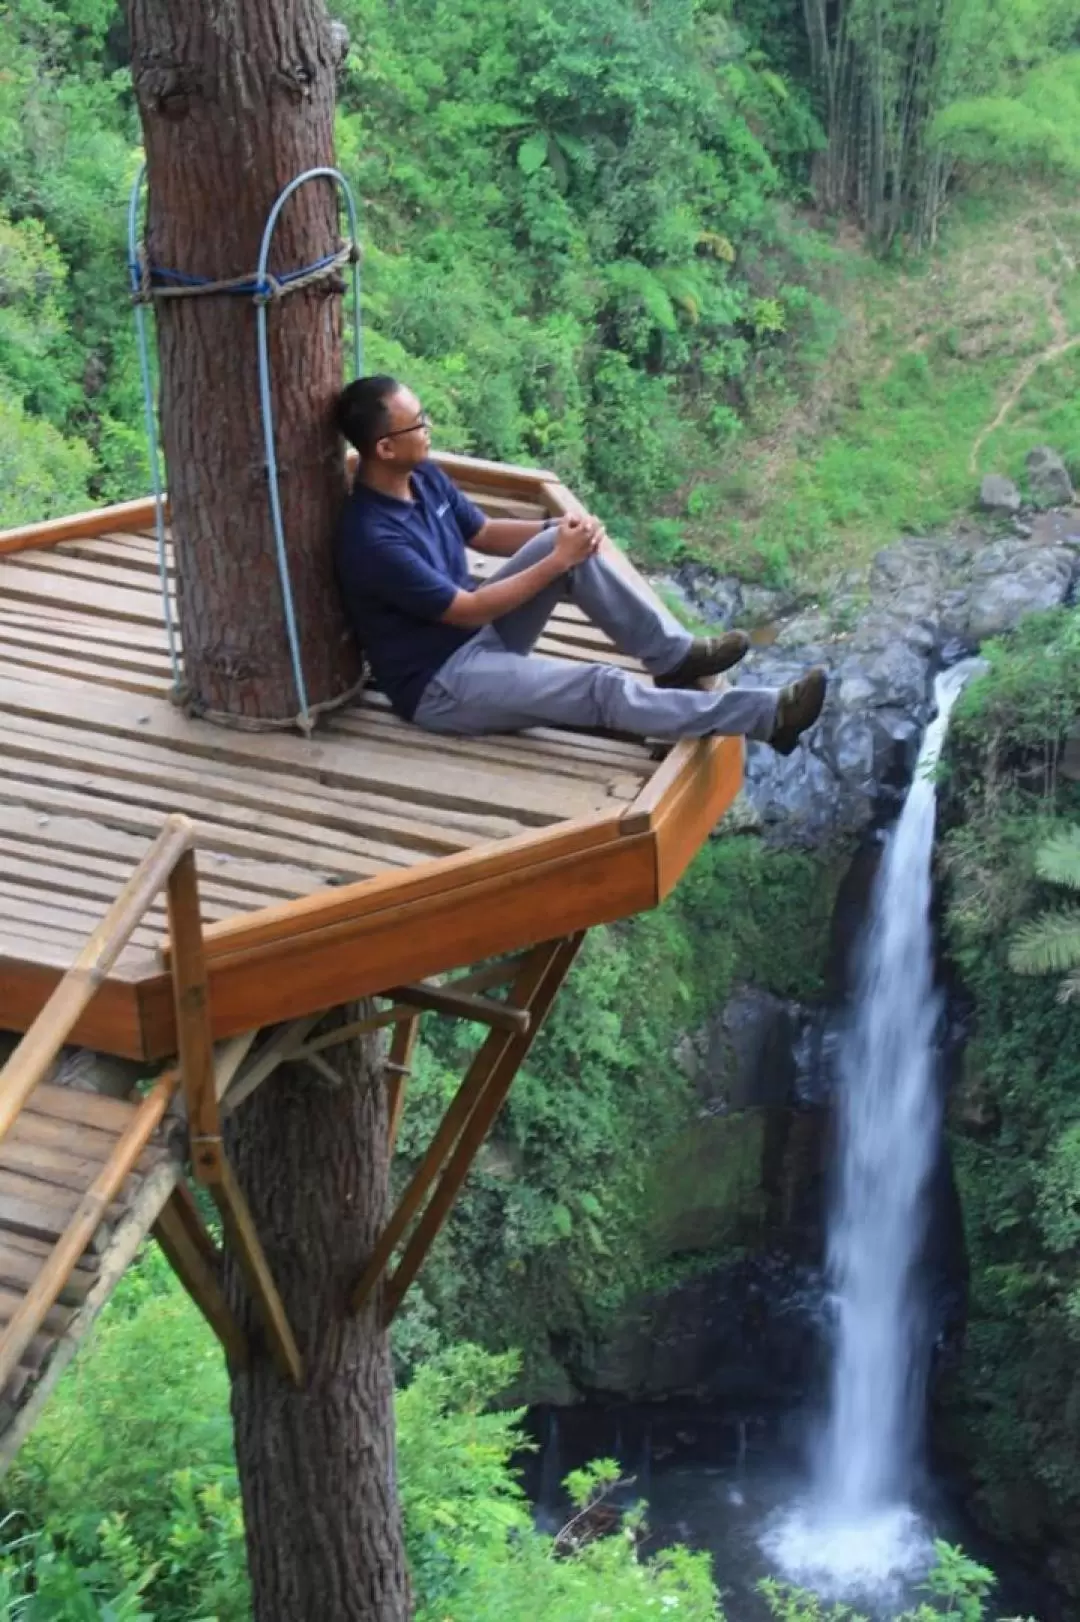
(1014, 579)
(999, 495)
(1048, 478)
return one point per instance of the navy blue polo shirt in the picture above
(400, 565)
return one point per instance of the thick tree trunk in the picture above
(317, 1465)
(236, 100)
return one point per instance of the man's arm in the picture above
(504, 537)
(576, 540)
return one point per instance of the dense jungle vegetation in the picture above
(768, 284)
(1016, 1111)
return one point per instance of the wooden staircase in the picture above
(84, 1177)
(76, 1170)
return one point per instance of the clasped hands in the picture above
(579, 537)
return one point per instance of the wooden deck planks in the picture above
(93, 754)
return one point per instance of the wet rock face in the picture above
(746, 1336)
(742, 1190)
(882, 635)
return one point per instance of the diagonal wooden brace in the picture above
(467, 1121)
(182, 1235)
(397, 1069)
(208, 1158)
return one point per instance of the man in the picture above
(455, 657)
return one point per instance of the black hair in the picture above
(360, 414)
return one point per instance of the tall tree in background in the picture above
(236, 99)
(907, 89)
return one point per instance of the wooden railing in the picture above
(170, 865)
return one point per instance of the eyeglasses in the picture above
(424, 421)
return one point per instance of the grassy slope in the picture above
(945, 369)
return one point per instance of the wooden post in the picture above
(398, 1066)
(193, 1014)
(559, 955)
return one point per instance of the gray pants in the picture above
(494, 683)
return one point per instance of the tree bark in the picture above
(317, 1465)
(237, 99)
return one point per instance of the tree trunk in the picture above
(317, 1465)
(236, 100)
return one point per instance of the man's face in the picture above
(407, 441)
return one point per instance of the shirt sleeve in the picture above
(470, 520)
(409, 583)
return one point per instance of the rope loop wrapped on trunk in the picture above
(150, 283)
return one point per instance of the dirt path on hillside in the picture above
(1061, 345)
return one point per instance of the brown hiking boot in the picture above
(708, 656)
(797, 708)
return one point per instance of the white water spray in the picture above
(857, 1530)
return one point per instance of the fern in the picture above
(1049, 944)
(1058, 859)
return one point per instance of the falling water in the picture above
(857, 1529)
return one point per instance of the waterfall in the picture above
(856, 1526)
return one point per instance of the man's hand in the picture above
(578, 539)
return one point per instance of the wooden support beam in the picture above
(493, 974)
(228, 1057)
(280, 1049)
(241, 1236)
(462, 1005)
(559, 955)
(398, 1066)
(190, 999)
(183, 1202)
(449, 1130)
(523, 992)
(185, 1247)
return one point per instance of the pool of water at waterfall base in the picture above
(739, 1490)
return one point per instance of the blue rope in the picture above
(266, 401)
(151, 428)
(260, 288)
(251, 287)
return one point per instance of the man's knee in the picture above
(606, 689)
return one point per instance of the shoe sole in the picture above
(786, 738)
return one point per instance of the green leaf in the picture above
(532, 154)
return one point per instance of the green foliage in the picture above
(132, 1481)
(1050, 944)
(890, 429)
(956, 1586)
(1016, 1117)
(554, 1227)
(571, 247)
(88, 1539)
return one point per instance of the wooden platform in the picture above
(330, 869)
